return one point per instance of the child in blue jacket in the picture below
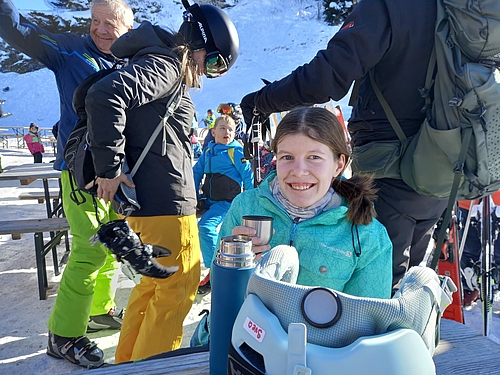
(226, 171)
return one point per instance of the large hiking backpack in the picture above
(460, 138)
(455, 153)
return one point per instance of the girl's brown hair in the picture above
(189, 68)
(323, 126)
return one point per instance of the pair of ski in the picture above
(450, 253)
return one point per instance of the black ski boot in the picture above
(118, 237)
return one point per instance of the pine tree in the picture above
(336, 11)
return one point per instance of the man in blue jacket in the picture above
(85, 300)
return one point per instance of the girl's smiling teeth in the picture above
(301, 186)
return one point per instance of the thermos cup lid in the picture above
(235, 252)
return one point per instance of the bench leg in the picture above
(55, 261)
(47, 197)
(41, 266)
(64, 258)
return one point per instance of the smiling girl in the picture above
(329, 220)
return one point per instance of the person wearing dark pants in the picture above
(410, 219)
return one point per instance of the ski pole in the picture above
(256, 138)
(486, 261)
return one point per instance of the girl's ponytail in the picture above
(360, 194)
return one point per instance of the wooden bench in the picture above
(39, 195)
(461, 351)
(57, 226)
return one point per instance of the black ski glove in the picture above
(247, 107)
(118, 237)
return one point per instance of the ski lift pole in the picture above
(256, 138)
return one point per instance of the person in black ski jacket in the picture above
(85, 298)
(394, 40)
(123, 109)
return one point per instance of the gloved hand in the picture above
(247, 107)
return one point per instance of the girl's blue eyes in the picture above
(289, 157)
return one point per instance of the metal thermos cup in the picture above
(231, 270)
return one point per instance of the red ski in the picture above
(449, 265)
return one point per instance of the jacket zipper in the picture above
(294, 230)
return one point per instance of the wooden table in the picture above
(56, 225)
(461, 351)
(28, 173)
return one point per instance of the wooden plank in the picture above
(27, 181)
(16, 227)
(27, 173)
(39, 195)
(461, 351)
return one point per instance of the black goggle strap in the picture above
(199, 17)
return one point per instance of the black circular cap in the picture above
(321, 307)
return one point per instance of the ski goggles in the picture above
(215, 65)
(225, 109)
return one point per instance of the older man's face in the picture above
(105, 27)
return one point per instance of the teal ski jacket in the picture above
(333, 252)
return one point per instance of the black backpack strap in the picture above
(172, 105)
(76, 194)
(459, 170)
(387, 109)
(424, 92)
